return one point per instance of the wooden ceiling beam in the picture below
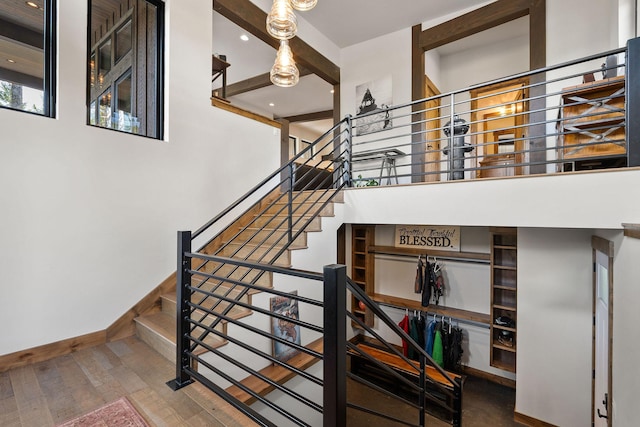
(310, 117)
(21, 34)
(253, 83)
(473, 22)
(253, 19)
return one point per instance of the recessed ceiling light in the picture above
(332, 91)
(271, 104)
(244, 38)
(33, 5)
(11, 61)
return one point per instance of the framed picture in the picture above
(373, 98)
(287, 307)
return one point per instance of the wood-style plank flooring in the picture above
(52, 392)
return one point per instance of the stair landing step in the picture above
(159, 331)
(276, 373)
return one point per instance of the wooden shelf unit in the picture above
(591, 122)
(504, 275)
(362, 267)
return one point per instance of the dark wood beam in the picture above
(418, 157)
(252, 19)
(478, 20)
(21, 79)
(310, 117)
(538, 34)
(21, 34)
(257, 82)
(337, 114)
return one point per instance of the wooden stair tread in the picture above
(236, 312)
(266, 245)
(398, 363)
(164, 325)
(317, 195)
(276, 373)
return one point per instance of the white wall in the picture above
(554, 326)
(559, 201)
(90, 216)
(487, 61)
(576, 28)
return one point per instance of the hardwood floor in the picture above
(52, 392)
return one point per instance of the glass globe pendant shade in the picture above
(303, 5)
(284, 72)
(282, 23)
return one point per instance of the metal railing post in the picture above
(422, 395)
(349, 150)
(335, 346)
(452, 117)
(632, 88)
(457, 404)
(183, 295)
(290, 203)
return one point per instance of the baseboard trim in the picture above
(49, 351)
(489, 376)
(530, 421)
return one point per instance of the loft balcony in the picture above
(571, 117)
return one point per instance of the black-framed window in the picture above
(27, 56)
(125, 66)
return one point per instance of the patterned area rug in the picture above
(120, 413)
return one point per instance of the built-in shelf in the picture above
(439, 310)
(363, 268)
(504, 262)
(468, 256)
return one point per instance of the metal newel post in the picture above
(632, 88)
(183, 295)
(457, 403)
(422, 383)
(335, 346)
(349, 150)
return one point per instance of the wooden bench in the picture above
(435, 382)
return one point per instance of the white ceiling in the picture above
(345, 23)
(354, 21)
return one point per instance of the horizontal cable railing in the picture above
(568, 117)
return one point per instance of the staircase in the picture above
(256, 236)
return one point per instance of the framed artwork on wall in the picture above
(372, 103)
(289, 331)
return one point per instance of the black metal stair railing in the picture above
(426, 389)
(258, 229)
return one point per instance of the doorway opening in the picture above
(602, 349)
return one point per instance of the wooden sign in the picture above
(442, 238)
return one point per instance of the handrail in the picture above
(256, 187)
(504, 79)
(377, 311)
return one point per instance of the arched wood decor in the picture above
(492, 15)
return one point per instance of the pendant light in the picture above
(303, 5)
(284, 72)
(281, 21)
